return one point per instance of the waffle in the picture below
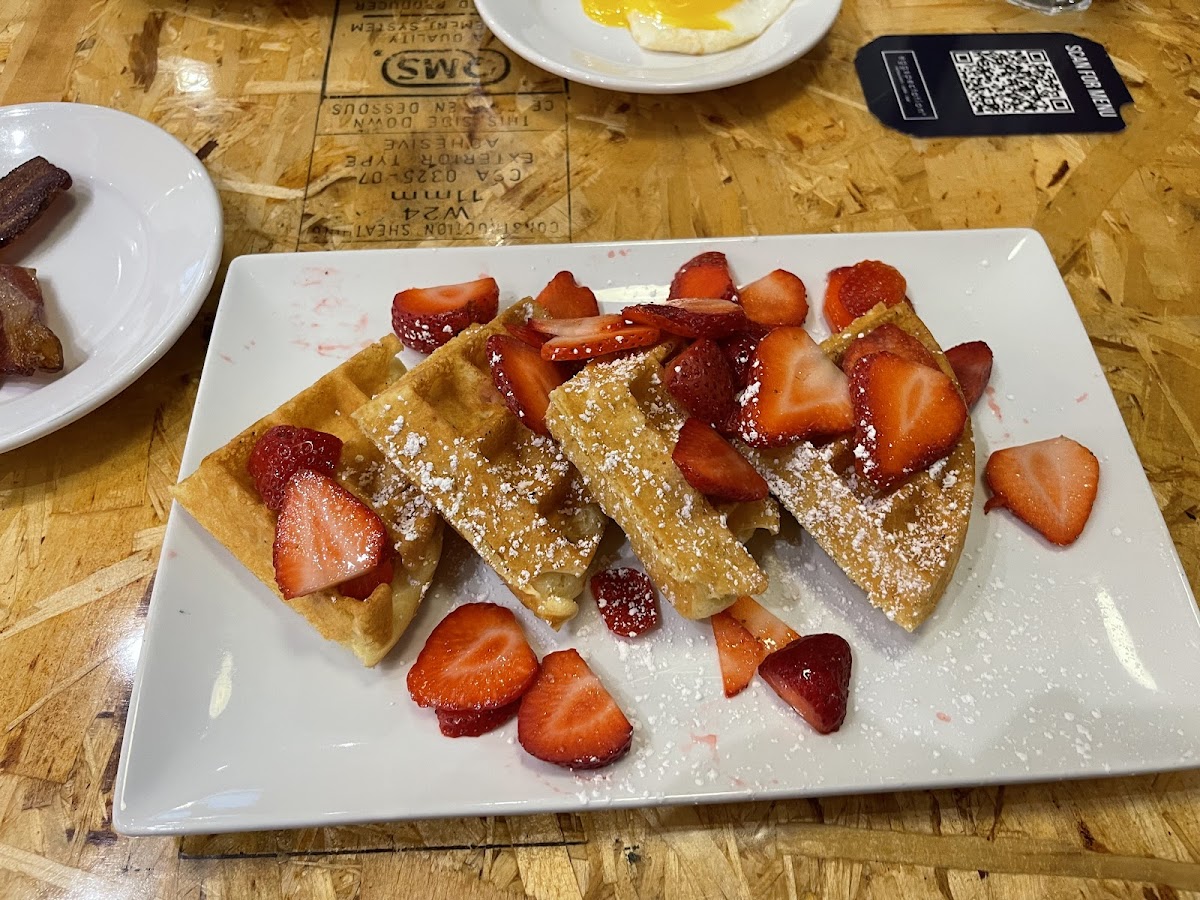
(616, 422)
(901, 547)
(511, 493)
(221, 496)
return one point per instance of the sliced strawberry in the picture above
(778, 298)
(765, 626)
(795, 392)
(701, 380)
(704, 276)
(564, 298)
(523, 379)
(569, 719)
(364, 585)
(739, 351)
(690, 318)
(325, 535)
(593, 336)
(626, 600)
(1049, 485)
(527, 334)
(835, 309)
(475, 658)
(426, 318)
(282, 451)
(888, 337)
(712, 466)
(869, 283)
(473, 723)
(907, 416)
(972, 365)
(738, 652)
(813, 675)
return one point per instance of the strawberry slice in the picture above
(795, 392)
(778, 298)
(906, 415)
(473, 723)
(704, 276)
(569, 719)
(325, 535)
(690, 318)
(475, 658)
(523, 379)
(712, 466)
(739, 351)
(888, 337)
(738, 652)
(869, 283)
(836, 313)
(282, 451)
(702, 381)
(765, 626)
(626, 600)
(813, 675)
(972, 365)
(1049, 485)
(565, 298)
(527, 334)
(591, 336)
(426, 318)
(364, 585)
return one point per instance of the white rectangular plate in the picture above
(1040, 663)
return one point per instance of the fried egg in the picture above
(688, 26)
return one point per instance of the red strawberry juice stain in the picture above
(993, 405)
(1082, 397)
(226, 357)
(331, 349)
(710, 741)
(314, 275)
(943, 717)
(612, 254)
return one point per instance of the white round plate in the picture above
(558, 36)
(125, 257)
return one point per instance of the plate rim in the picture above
(492, 13)
(210, 205)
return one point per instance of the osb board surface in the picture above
(301, 162)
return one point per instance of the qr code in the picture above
(1008, 82)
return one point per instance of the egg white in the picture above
(747, 20)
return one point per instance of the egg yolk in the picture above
(676, 13)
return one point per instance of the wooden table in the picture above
(255, 90)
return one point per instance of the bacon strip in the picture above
(26, 344)
(25, 192)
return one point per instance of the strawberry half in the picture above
(888, 337)
(591, 336)
(701, 380)
(869, 283)
(765, 626)
(473, 723)
(813, 675)
(836, 313)
(704, 276)
(972, 365)
(282, 451)
(739, 351)
(795, 392)
(690, 318)
(426, 318)
(626, 600)
(569, 719)
(475, 658)
(564, 298)
(527, 334)
(523, 379)
(1049, 485)
(325, 535)
(364, 585)
(738, 652)
(778, 298)
(712, 466)
(906, 415)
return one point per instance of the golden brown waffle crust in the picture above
(903, 546)
(508, 491)
(221, 496)
(618, 426)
